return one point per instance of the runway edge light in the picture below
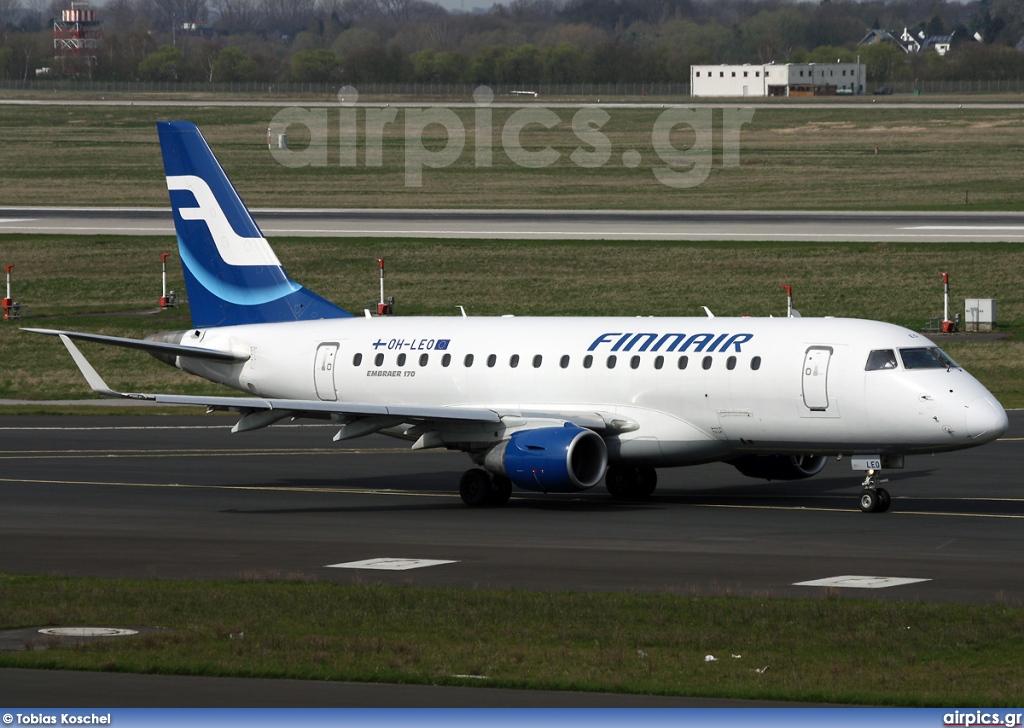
(12, 310)
(385, 305)
(167, 300)
(948, 327)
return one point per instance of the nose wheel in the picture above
(874, 499)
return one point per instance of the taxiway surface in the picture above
(909, 227)
(182, 498)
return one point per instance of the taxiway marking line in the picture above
(1010, 234)
(225, 426)
(421, 494)
(119, 454)
(340, 491)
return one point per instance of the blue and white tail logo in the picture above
(232, 274)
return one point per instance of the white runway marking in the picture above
(965, 227)
(390, 564)
(88, 631)
(861, 582)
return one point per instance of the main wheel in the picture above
(501, 491)
(869, 501)
(475, 488)
(646, 482)
(620, 482)
(884, 500)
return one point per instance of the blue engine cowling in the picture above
(551, 459)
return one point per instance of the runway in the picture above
(817, 226)
(182, 498)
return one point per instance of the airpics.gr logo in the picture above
(675, 166)
(981, 718)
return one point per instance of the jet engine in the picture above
(550, 459)
(779, 467)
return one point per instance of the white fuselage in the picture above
(697, 389)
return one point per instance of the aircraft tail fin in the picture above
(231, 273)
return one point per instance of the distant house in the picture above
(876, 36)
(939, 43)
(908, 42)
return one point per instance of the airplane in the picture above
(545, 404)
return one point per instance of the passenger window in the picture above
(401, 360)
(537, 360)
(424, 358)
(755, 363)
(513, 361)
(706, 363)
(880, 359)
(730, 363)
(588, 361)
(634, 363)
(446, 360)
(930, 357)
(379, 359)
(659, 362)
(357, 360)
(491, 360)
(468, 361)
(611, 361)
(683, 361)
(564, 363)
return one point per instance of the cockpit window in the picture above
(881, 359)
(930, 357)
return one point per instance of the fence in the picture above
(461, 91)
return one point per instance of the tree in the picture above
(563, 63)
(232, 65)
(519, 65)
(237, 16)
(318, 66)
(883, 62)
(165, 64)
(172, 14)
(10, 11)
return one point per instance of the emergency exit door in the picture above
(815, 377)
(323, 372)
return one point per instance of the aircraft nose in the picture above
(986, 420)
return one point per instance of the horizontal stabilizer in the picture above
(153, 347)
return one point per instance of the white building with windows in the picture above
(784, 79)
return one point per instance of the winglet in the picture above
(91, 375)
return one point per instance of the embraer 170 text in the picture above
(546, 404)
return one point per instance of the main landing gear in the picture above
(874, 499)
(478, 489)
(626, 482)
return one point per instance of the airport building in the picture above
(783, 79)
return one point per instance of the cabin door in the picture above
(323, 372)
(815, 378)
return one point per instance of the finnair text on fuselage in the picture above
(675, 342)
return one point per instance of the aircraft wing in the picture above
(155, 347)
(363, 419)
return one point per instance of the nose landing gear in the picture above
(874, 499)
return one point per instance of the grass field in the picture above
(791, 157)
(824, 650)
(81, 283)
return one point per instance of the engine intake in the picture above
(551, 459)
(779, 467)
